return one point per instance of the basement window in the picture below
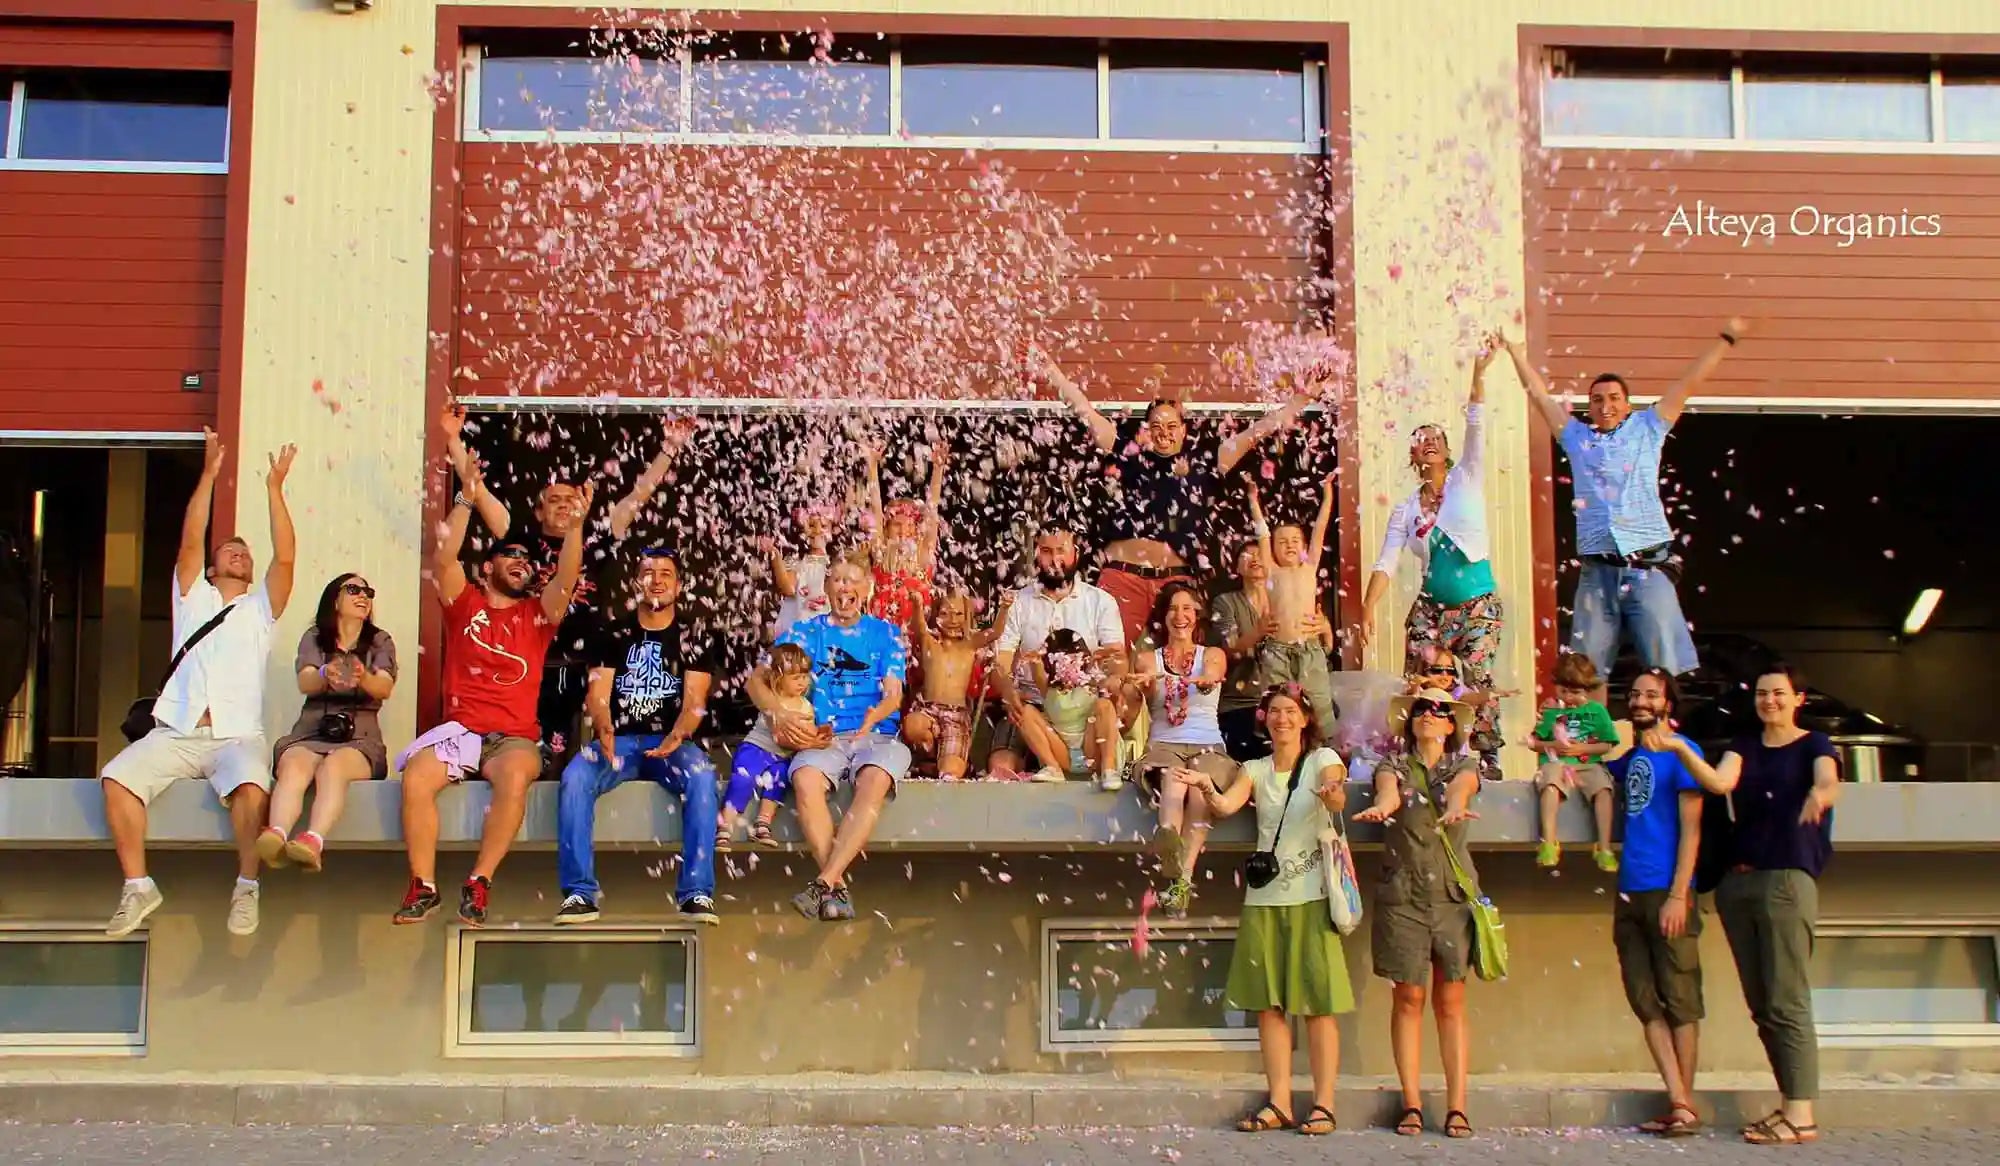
(576, 992)
(1880, 984)
(1098, 995)
(72, 993)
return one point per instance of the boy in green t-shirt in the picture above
(1572, 736)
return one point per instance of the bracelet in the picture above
(1727, 339)
(1261, 530)
(459, 499)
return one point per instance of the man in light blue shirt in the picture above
(1627, 585)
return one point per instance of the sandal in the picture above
(1264, 1119)
(1456, 1126)
(760, 833)
(1411, 1122)
(1319, 1120)
(1778, 1130)
(1672, 1124)
(1774, 1114)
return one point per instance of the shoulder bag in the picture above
(139, 718)
(1343, 889)
(1489, 934)
(1261, 868)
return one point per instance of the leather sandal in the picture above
(1410, 1123)
(1319, 1120)
(1456, 1125)
(1778, 1130)
(1264, 1119)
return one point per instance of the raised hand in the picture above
(1736, 326)
(451, 420)
(281, 465)
(589, 492)
(212, 450)
(1489, 351)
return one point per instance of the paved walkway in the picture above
(162, 1145)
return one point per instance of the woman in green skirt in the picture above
(1288, 960)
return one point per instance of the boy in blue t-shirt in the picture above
(1656, 926)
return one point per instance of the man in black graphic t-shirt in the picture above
(649, 684)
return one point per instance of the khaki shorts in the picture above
(162, 757)
(494, 745)
(1565, 777)
(851, 753)
(1209, 760)
(1412, 939)
(1662, 976)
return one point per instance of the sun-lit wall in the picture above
(341, 186)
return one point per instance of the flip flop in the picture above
(1678, 1122)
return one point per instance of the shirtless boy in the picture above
(1292, 652)
(940, 720)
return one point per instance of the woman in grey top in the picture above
(1422, 929)
(347, 668)
(1237, 623)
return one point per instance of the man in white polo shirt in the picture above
(1057, 599)
(209, 718)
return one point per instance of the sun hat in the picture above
(1399, 710)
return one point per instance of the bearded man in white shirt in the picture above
(1057, 599)
(208, 721)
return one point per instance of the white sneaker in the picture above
(243, 910)
(1111, 782)
(1049, 775)
(133, 907)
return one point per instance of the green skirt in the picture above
(1290, 959)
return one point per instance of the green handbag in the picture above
(1489, 934)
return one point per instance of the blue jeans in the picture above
(1613, 600)
(590, 776)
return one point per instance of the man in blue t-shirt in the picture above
(858, 663)
(1656, 926)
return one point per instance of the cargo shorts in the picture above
(1662, 976)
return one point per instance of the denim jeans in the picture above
(590, 776)
(1613, 601)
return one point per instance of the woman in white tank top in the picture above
(1182, 683)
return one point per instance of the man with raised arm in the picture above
(1630, 570)
(208, 721)
(497, 633)
(1166, 486)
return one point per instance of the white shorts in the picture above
(162, 757)
(851, 753)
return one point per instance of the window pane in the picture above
(1904, 979)
(1172, 94)
(1629, 106)
(775, 85)
(49, 986)
(992, 90)
(1834, 109)
(1972, 111)
(127, 117)
(1102, 986)
(579, 986)
(632, 94)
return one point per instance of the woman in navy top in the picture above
(1786, 780)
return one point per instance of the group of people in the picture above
(1210, 705)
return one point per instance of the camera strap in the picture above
(1291, 787)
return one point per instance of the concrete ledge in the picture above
(935, 1099)
(935, 816)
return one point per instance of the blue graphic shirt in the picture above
(1618, 509)
(1654, 783)
(851, 666)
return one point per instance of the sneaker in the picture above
(133, 907)
(1111, 781)
(308, 850)
(809, 901)
(700, 909)
(1548, 854)
(271, 847)
(1169, 846)
(1179, 894)
(418, 903)
(837, 905)
(577, 909)
(472, 901)
(1606, 859)
(1049, 775)
(243, 910)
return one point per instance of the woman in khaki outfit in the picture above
(1422, 928)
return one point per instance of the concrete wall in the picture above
(941, 971)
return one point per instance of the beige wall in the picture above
(341, 190)
(941, 971)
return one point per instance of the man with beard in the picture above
(858, 666)
(1057, 599)
(209, 718)
(496, 639)
(649, 685)
(1656, 924)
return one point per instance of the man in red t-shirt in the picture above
(496, 637)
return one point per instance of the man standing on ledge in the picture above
(1630, 568)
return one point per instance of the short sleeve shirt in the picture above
(1088, 611)
(1164, 499)
(381, 658)
(1618, 508)
(581, 624)
(1653, 784)
(1588, 722)
(1301, 873)
(224, 674)
(649, 673)
(1770, 795)
(852, 665)
(493, 658)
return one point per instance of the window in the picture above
(636, 94)
(72, 993)
(1907, 983)
(121, 120)
(1099, 994)
(974, 89)
(783, 85)
(1762, 102)
(1213, 93)
(575, 992)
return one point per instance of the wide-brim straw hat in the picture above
(1399, 710)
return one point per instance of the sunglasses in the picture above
(361, 589)
(1429, 708)
(511, 551)
(1440, 670)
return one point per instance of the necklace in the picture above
(1175, 686)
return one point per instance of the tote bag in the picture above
(1343, 890)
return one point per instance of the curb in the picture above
(988, 1103)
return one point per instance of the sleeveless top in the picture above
(1450, 578)
(1182, 714)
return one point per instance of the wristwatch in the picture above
(459, 499)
